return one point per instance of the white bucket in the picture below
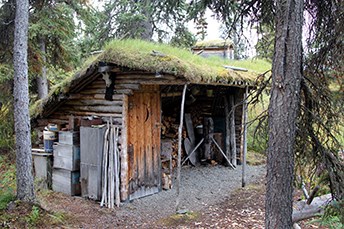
(53, 127)
(49, 135)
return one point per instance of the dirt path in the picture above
(202, 188)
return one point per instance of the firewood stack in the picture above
(169, 130)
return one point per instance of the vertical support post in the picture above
(232, 131)
(228, 127)
(124, 168)
(180, 146)
(244, 138)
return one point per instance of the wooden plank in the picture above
(227, 132)
(148, 143)
(124, 190)
(141, 138)
(65, 115)
(118, 85)
(180, 147)
(156, 141)
(243, 183)
(190, 142)
(93, 102)
(101, 109)
(100, 96)
(132, 140)
(233, 132)
(190, 128)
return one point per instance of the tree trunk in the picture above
(146, 25)
(25, 187)
(42, 81)
(283, 110)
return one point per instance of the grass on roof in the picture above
(138, 54)
(162, 58)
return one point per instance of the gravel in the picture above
(200, 187)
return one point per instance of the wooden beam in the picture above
(219, 148)
(244, 139)
(228, 128)
(180, 146)
(232, 131)
(124, 152)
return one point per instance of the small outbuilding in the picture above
(217, 47)
(138, 87)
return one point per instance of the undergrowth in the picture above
(7, 180)
(333, 216)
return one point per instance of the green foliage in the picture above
(6, 108)
(34, 216)
(257, 132)
(5, 198)
(6, 74)
(125, 19)
(333, 216)
(183, 38)
(7, 181)
(7, 174)
(6, 126)
(57, 218)
(265, 44)
(54, 25)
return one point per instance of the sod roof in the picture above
(213, 43)
(152, 57)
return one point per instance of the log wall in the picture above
(89, 100)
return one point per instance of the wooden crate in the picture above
(67, 157)
(66, 181)
(69, 137)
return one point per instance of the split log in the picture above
(180, 147)
(62, 115)
(98, 85)
(171, 94)
(228, 128)
(124, 91)
(95, 96)
(104, 109)
(93, 102)
(244, 138)
(304, 211)
(233, 131)
(124, 152)
(105, 165)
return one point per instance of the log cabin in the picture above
(139, 86)
(217, 47)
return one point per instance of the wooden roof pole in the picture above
(180, 146)
(244, 138)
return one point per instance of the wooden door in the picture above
(144, 142)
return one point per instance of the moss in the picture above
(180, 219)
(155, 57)
(213, 43)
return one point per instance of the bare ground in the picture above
(201, 188)
(211, 196)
